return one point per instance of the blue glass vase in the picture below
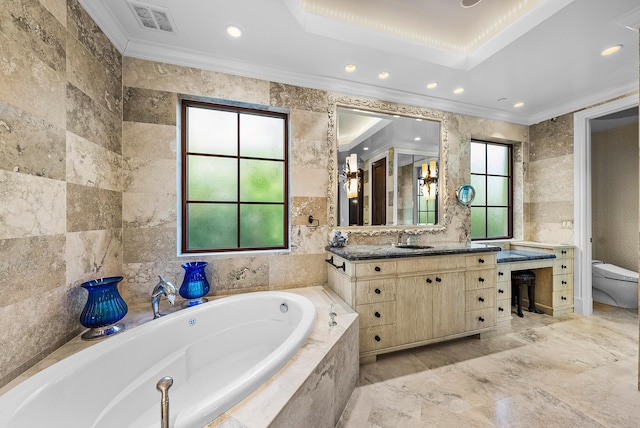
(104, 308)
(195, 285)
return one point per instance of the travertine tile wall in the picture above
(150, 197)
(60, 162)
(548, 181)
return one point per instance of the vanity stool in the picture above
(520, 279)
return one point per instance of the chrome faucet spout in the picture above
(162, 288)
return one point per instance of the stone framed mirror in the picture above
(387, 167)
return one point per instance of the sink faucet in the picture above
(165, 288)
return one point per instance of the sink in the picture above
(413, 247)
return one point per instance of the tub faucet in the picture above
(165, 288)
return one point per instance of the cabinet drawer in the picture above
(563, 282)
(481, 260)
(378, 337)
(504, 290)
(376, 314)
(503, 273)
(562, 266)
(479, 299)
(338, 262)
(376, 268)
(562, 298)
(504, 308)
(375, 290)
(481, 278)
(481, 318)
(430, 264)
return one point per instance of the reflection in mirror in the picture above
(388, 169)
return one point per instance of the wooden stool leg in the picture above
(519, 287)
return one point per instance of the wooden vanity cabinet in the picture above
(554, 292)
(408, 302)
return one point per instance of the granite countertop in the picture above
(508, 256)
(371, 252)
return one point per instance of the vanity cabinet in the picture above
(413, 301)
(554, 292)
(503, 294)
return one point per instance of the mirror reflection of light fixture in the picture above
(429, 180)
(352, 184)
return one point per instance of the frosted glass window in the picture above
(212, 131)
(491, 210)
(234, 180)
(261, 137)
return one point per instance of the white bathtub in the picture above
(217, 354)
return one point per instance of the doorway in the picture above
(583, 297)
(379, 192)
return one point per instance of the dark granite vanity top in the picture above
(371, 252)
(508, 256)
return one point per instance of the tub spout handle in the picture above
(163, 386)
(332, 316)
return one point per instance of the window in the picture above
(491, 176)
(234, 178)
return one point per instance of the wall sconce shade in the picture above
(352, 183)
(429, 180)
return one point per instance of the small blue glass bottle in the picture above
(104, 308)
(195, 285)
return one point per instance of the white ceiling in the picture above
(545, 53)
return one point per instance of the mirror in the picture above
(388, 165)
(466, 194)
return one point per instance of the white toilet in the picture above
(614, 285)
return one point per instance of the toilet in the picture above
(614, 285)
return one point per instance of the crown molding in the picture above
(585, 102)
(108, 23)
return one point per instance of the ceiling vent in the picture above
(153, 17)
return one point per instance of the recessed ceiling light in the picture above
(611, 50)
(350, 68)
(458, 91)
(234, 31)
(417, 139)
(469, 3)
(432, 85)
(365, 148)
(396, 115)
(383, 75)
(518, 104)
(418, 119)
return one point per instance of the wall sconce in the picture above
(429, 180)
(352, 184)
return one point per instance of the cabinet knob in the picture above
(500, 290)
(481, 279)
(377, 338)
(377, 269)
(500, 273)
(500, 309)
(564, 282)
(480, 260)
(480, 319)
(480, 299)
(563, 266)
(377, 314)
(377, 291)
(429, 281)
(563, 298)
(563, 252)
(438, 279)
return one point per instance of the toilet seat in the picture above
(617, 273)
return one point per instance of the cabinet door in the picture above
(448, 303)
(414, 309)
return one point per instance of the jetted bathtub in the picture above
(217, 354)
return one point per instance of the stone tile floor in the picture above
(568, 371)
